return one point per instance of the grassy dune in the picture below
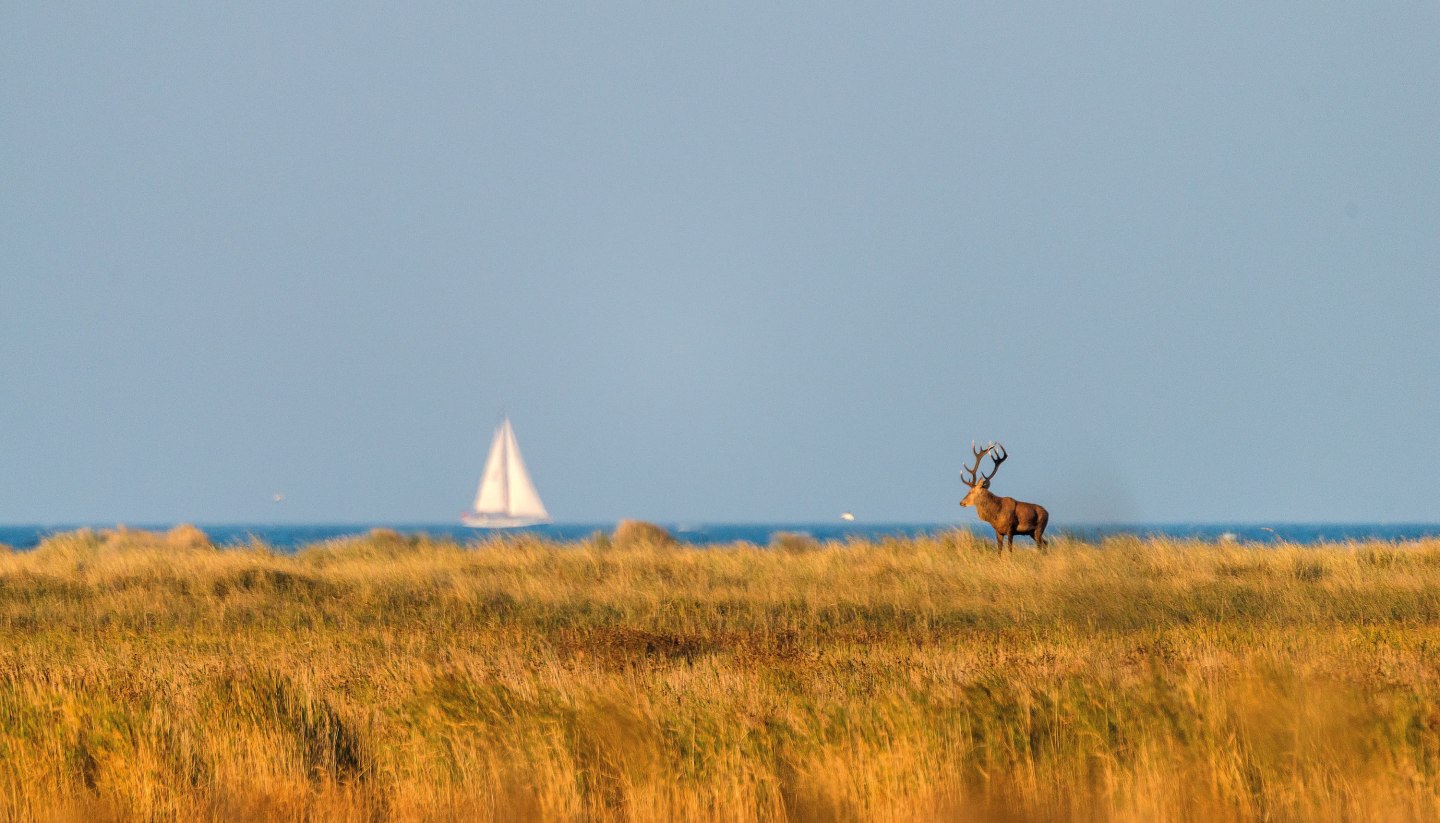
(154, 677)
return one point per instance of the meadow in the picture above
(149, 676)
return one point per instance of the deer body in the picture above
(1006, 515)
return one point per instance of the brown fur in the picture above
(1006, 515)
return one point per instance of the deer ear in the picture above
(984, 484)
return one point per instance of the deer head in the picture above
(980, 483)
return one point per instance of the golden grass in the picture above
(155, 677)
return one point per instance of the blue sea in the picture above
(288, 537)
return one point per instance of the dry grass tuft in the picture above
(794, 542)
(187, 536)
(388, 677)
(633, 534)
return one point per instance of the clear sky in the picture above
(719, 261)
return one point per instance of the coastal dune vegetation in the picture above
(154, 676)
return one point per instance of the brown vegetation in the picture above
(637, 534)
(392, 677)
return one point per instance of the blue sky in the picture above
(734, 262)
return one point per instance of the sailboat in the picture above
(506, 497)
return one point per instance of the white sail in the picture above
(492, 497)
(524, 500)
(506, 496)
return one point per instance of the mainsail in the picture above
(506, 496)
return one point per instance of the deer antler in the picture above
(998, 460)
(974, 470)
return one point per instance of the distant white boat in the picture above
(847, 516)
(506, 497)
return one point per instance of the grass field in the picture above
(154, 677)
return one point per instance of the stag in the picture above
(1006, 515)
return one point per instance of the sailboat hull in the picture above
(490, 521)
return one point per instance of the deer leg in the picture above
(999, 541)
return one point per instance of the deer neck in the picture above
(987, 505)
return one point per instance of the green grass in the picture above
(155, 677)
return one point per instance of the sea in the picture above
(289, 537)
